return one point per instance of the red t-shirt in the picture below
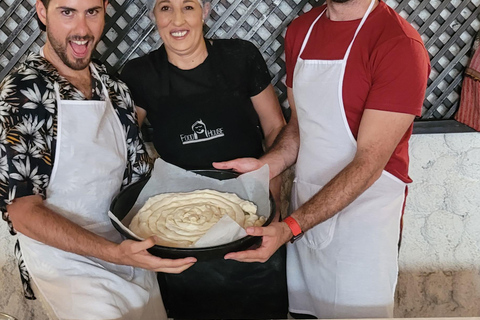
(387, 68)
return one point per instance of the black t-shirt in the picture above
(203, 114)
(193, 82)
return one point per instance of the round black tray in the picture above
(125, 200)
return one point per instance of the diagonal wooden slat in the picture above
(432, 19)
(8, 13)
(121, 36)
(450, 19)
(402, 5)
(222, 19)
(14, 34)
(442, 52)
(417, 11)
(437, 81)
(119, 11)
(121, 62)
(244, 17)
(18, 56)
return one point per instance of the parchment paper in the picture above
(166, 178)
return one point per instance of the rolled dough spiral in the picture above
(180, 219)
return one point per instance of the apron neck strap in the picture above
(305, 40)
(362, 22)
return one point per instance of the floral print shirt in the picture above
(28, 129)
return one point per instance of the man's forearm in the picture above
(36, 221)
(284, 150)
(378, 136)
(342, 190)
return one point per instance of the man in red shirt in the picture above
(356, 76)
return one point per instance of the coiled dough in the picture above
(180, 219)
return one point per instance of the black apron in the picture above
(228, 289)
(191, 133)
(194, 131)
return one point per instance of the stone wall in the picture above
(440, 252)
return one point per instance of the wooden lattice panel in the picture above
(447, 28)
(18, 32)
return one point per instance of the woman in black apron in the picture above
(209, 101)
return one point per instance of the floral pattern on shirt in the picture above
(28, 132)
(28, 117)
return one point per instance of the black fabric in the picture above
(204, 114)
(302, 316)
(194, 82)
(240, 60)
(215, 96)
(227, 289)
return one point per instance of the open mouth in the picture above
(79, 47)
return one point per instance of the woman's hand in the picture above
(240, 165)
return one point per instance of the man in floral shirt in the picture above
(28, 116)
(69, 141)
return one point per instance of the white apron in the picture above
(90, 160)
(345, 267)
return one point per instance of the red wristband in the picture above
(293, 225)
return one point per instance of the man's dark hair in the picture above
(40, 23)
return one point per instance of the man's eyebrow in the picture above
(73, 9)
(95, 8)
(66, 8)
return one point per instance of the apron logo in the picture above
(200, 133)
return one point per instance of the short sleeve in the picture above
(399, 79)
(259, 76)
(26, 131)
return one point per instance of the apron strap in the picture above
(309, 32)
(347, 53)
(365, 16)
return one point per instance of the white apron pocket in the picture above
(321, 235)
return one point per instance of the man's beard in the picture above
(61, 51)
